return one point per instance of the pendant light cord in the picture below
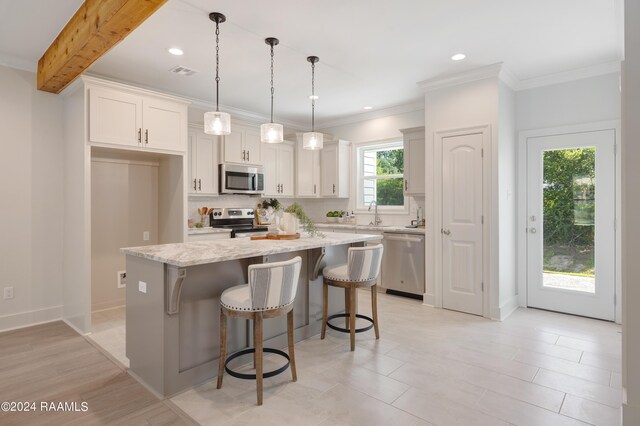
(313, 97)
(272, 91)
(217, 66)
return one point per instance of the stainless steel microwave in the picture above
(236, 179)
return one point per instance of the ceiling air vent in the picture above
(183, 71)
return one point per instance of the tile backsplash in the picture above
(316, 208)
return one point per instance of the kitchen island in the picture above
(173, 302)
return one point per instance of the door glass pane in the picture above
(569, 219)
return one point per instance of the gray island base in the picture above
(173, 302)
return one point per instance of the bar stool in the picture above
(361, 270)
(270, 293)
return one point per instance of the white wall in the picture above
(507, 202)
(451, 108)
(576, 102)
(630, 222)
(32, 194)
(370, 130)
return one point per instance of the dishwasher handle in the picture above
(407, 238)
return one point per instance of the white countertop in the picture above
(382, 228)
(208, 230)
(202, 252)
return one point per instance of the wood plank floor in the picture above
(52, 363)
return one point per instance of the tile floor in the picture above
(432, 366)
(108, 331)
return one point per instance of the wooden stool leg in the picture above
(325, 309)
(223, 347)
(374, 309)
(347, 306)
(352, 316)
(257, 338)
(292, 354)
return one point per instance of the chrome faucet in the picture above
(376, 218)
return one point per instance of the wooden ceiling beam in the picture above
(96, 27)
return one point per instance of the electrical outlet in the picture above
(121, 279)
(142, 287)
(145, 235)
(8, 293)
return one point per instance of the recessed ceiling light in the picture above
(458, 56)
(367, 107)
(314, 97)
(176, 51)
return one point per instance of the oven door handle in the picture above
(253, 182)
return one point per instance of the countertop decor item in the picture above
(271, 132)
(312, 140)
(216, 122)
(306, 222)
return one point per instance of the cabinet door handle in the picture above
(194, 185)
(139, 135)
(244, 155)
(146, 136)
(406, 185)
(248, 155)
(314, 188)
(334, 188)
(200, 184)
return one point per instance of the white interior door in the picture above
(571, 223)
(462, 223)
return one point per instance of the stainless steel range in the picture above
(240, 221)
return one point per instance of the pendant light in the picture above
(216, 122)
(312, 140)
(271, 132)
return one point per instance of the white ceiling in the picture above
(372, 52)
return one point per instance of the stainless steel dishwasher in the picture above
(403, 263)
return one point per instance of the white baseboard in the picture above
(76, 329)
(506, 309)
(429, 300)
(30, 318)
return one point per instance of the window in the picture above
(380, 176)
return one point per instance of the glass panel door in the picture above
(570, 223)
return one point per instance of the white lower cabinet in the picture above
(278, 162)
(203, 163)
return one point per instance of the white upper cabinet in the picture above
(115, 117)
(137, 120)
(242, 146)
(335, 161)
(203, 163)
(413, 160)
(164, 123)
(308, 172)
(278, 162)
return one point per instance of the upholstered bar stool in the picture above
(270, 293)
(362, 270)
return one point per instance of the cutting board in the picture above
(276, 237)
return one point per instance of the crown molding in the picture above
(415, 105)
(571, 75)
(476, 74)
(18, 63)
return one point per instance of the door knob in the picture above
(533, 230)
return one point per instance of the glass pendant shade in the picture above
(217, 123)
(271, 133)
(312, 141)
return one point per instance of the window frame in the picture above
(360, 149)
